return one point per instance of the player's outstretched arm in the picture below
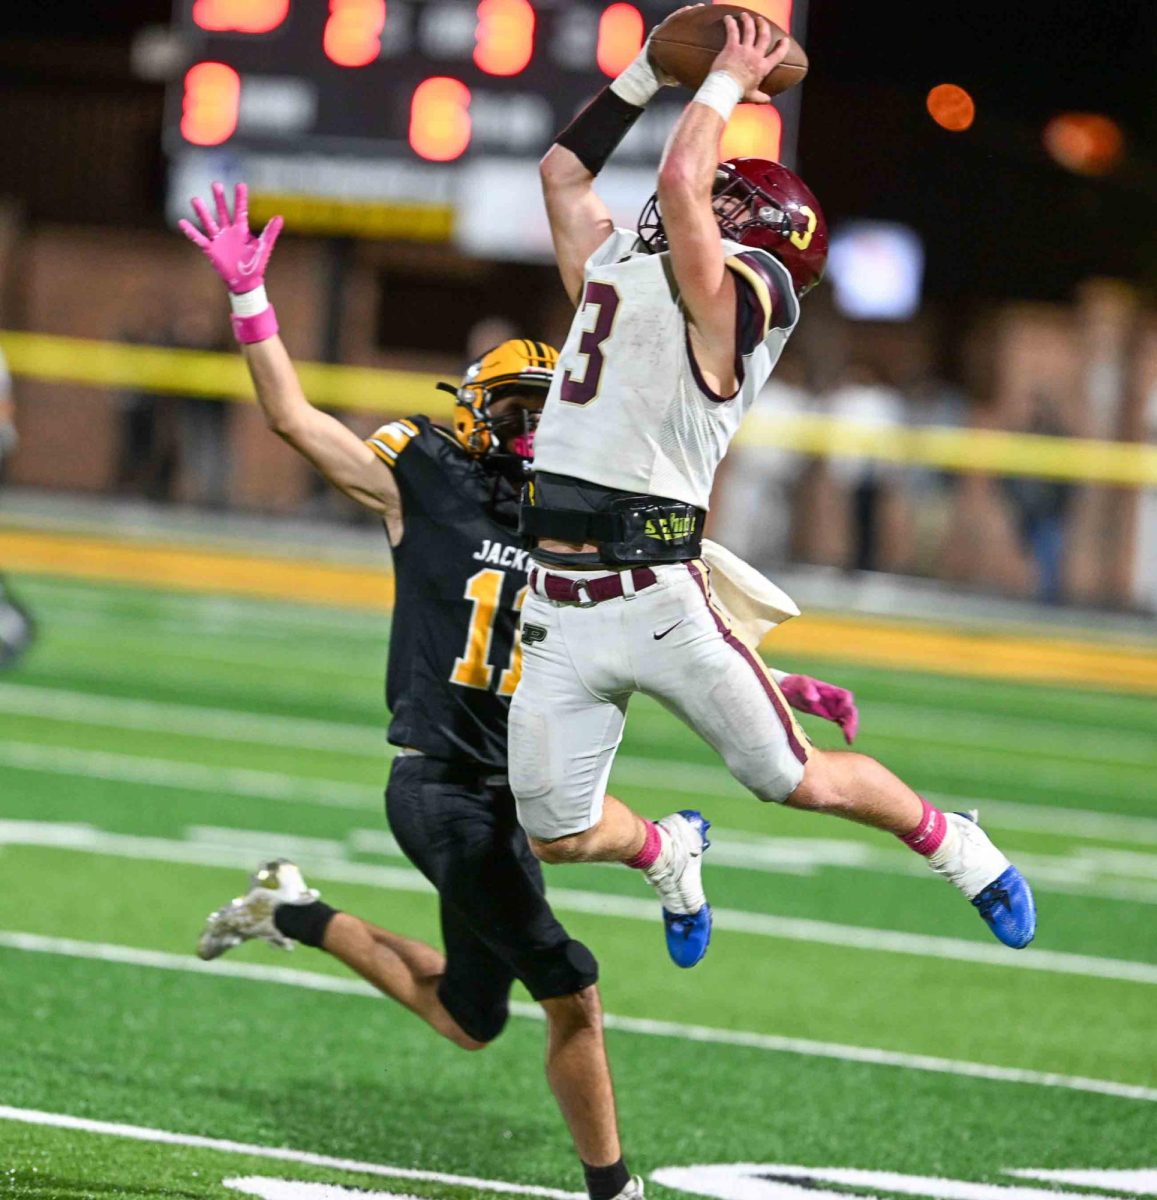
(334, 449)
(686, 179)
(240, 259)
(579, 219)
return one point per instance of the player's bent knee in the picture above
(559, 850)
(477, 1015)
(464, 1041)
(579, 1010)
(817, 791)
(768, 776)
(485, 1027)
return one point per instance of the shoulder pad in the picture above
(390, 440)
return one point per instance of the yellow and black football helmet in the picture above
(519, 364)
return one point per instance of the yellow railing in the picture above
(203, 373)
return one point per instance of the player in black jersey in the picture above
(449, 502)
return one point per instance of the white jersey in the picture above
(628, 408)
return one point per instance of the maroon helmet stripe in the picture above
(772, 693)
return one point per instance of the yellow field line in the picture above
(398, 393)
(869, 642)
(197, 570)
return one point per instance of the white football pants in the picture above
(580, 666)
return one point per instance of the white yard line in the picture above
(140, 1133)
(118, 712)
(346, 985)
(195, 720)
(1060, 874)
(191, 777)
(77, 837)
(699, 779)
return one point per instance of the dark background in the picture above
(80, 137)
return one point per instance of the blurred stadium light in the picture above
(1087, 143)
(876, 269)
(951, 107)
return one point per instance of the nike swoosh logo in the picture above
(248, 267)
(660, 636)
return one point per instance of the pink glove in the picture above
(823, 700)
(239, 258)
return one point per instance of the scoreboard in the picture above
(418, 118)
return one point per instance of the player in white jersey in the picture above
(679, 326)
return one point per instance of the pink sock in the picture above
(925, 839)
(650, 851)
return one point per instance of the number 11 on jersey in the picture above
(472, 669)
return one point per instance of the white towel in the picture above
(754, 604)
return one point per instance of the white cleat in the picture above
(967, 858)
(677, 875)
(251, 916)
(633, 1190)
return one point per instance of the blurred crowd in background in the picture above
(1085, 369)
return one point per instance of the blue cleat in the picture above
(968, 860)
(1008, 909)
(678, 878)
(688, 935)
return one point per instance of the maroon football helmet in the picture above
(760, 203)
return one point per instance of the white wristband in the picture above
(637, 83)
(720, 91)
(249, 304)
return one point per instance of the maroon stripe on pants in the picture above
(741, 648)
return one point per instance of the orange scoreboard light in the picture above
(504, 37)
(211, 105)
(353, 32)
(621, 34)
(440, 119)
(240, 16)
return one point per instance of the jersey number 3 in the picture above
(472, 670)
(600, 304)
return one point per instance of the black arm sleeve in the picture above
(594, 135)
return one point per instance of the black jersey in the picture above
(460, 573)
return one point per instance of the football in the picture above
(686, 44)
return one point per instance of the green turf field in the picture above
(853, 1012)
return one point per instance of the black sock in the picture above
(305, 923)
(605, 1183)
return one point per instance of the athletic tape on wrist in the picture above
(720, 91)
(637, 83)
(253, 318)
(249, 304)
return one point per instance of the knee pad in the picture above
(567, 968)
(769, 777)
(481, 1017)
